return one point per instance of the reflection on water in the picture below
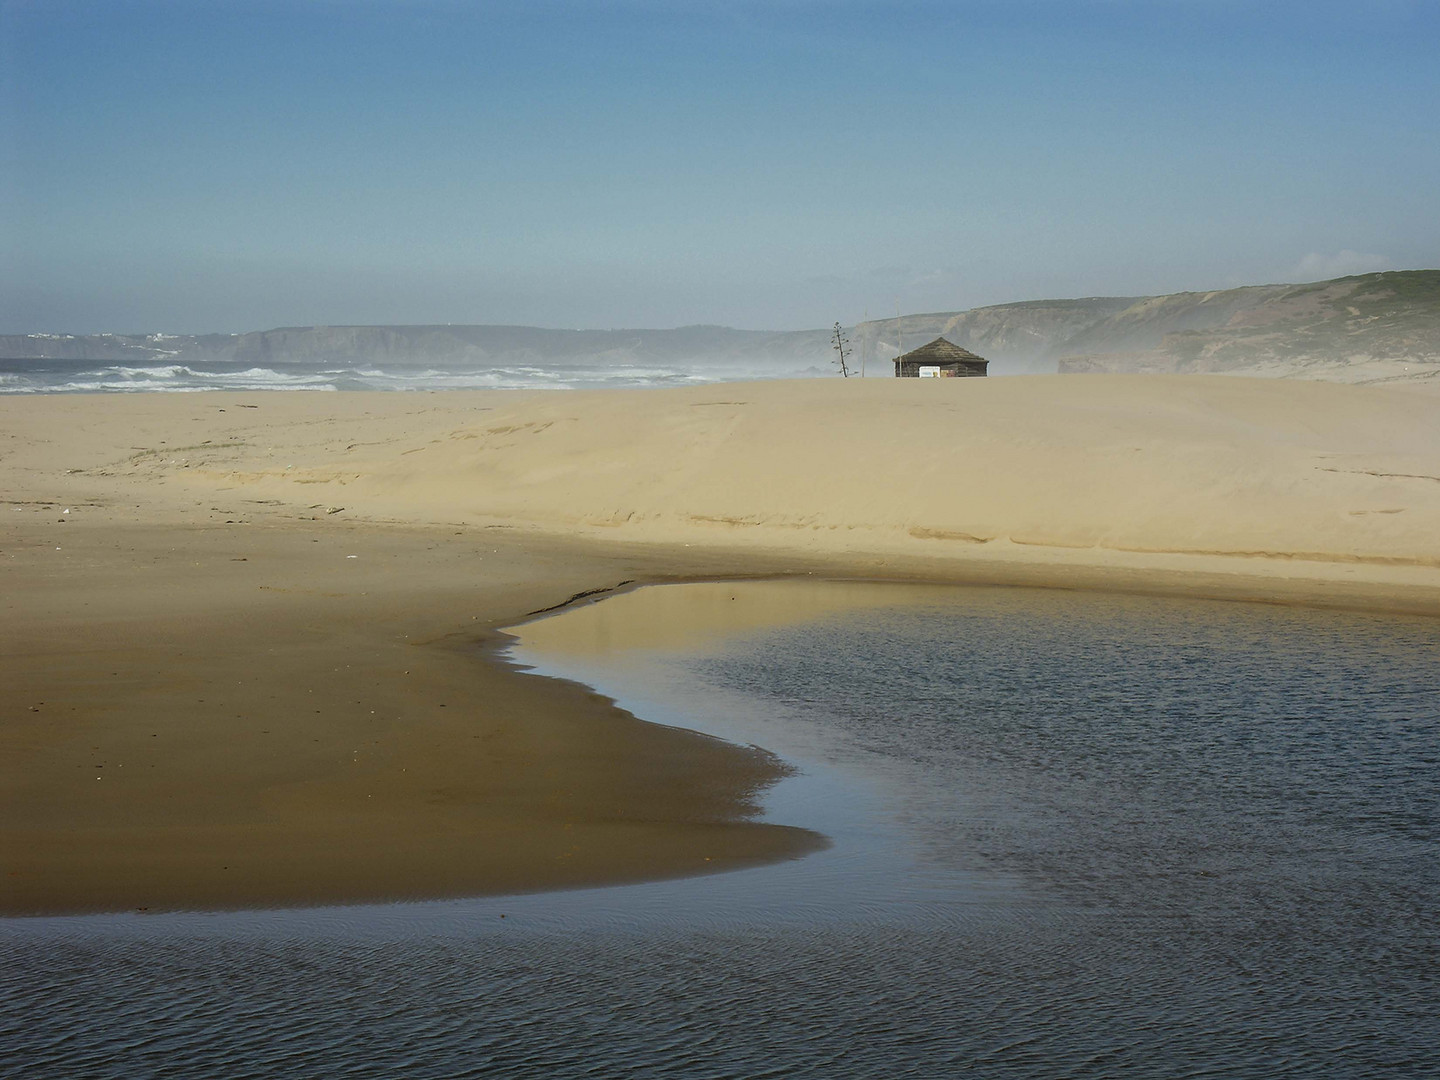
(1074, 836)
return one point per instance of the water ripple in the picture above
(1213, 829)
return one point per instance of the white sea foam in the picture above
(55, 376)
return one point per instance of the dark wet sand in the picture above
(207, 719)
(215, 718)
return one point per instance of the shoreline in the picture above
(185, 577)
(433, 767)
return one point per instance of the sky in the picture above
(193, 166)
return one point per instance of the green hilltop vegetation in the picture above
(1373, 328)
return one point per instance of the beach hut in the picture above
(939, 360)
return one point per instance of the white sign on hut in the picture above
(939, 360)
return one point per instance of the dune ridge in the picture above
(1274, 478)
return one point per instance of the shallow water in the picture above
(1075, 835)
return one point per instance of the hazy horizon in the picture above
(878, 318)
(253, 164)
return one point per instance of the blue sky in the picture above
(230, 165)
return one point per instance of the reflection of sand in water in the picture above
(641, 647)
(684, 618)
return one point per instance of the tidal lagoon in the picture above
(1071, 835)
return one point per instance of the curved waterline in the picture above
(1074, 835)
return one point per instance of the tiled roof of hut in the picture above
(938, 351)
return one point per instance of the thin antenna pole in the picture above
(899, 336)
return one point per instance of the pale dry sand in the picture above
(252, 664)
(1113, 467)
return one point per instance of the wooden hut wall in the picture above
(910, 369)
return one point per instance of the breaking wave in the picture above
(77, 377)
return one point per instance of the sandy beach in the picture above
(249, 639)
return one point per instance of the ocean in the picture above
(94, 376)
(1074, 835)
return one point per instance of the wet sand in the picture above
(207, 718)
(254, 664)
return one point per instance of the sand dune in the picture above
(1264, 479)
(1085, 471)
(1185, 464)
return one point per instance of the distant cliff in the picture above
(1371, 328)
